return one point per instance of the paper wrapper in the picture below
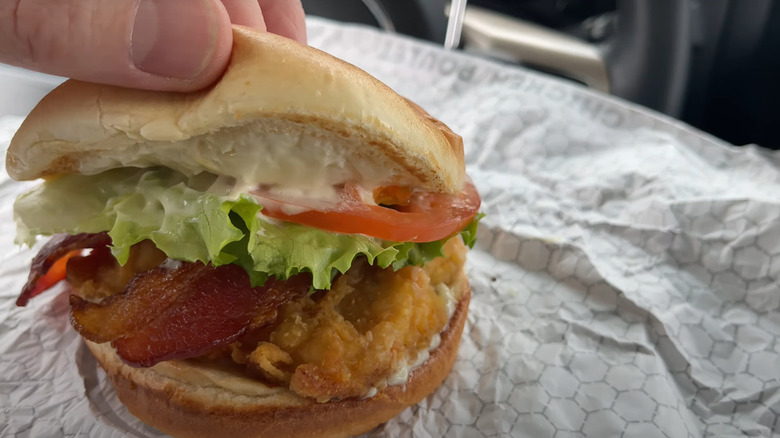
(625, 281)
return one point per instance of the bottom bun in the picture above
(182, 406)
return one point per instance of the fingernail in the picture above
(173, 38)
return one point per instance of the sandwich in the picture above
(280, 254)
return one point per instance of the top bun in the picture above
(279, 102)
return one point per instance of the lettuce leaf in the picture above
(192, 219)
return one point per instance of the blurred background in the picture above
(714, 64)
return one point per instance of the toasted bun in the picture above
(272, 86)
(182, 407)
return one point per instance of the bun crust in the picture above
(272, 84)
(181, 408)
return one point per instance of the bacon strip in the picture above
(144, 298)
(184, 312)
(56, 248)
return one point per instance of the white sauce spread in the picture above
(401, 374)
(308, 163)
(170, 264)
(211, 376)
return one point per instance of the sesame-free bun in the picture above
(274, 91)
(180, 405)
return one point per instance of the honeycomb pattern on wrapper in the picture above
(625, 281)
(626, 276)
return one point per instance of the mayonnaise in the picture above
(252, 155)
(206, 376)
(401, 374)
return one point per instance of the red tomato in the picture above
(55, 274)
(417, 217)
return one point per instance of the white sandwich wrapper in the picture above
(625, 280)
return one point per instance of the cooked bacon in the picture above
(58, 247)
(144, 297)
(99, 275)
(182, 312)
(86, 268)
(164, 312)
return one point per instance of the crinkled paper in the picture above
(625, 281)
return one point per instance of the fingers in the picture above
(176, 45)
(282, 17)
(285, 17)
(187, 41)
(245, 13)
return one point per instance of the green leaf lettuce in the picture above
(193, 219)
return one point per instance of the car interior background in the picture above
(710, 63)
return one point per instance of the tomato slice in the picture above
(55, 274)
(418, 217)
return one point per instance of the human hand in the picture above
(177, 45)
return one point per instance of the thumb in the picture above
(178, 45)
